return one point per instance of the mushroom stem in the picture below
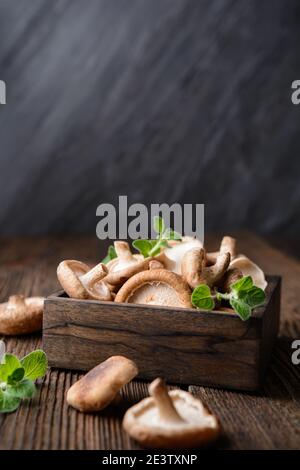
(167, 410)
(123, 251)
(228, 245)
(95, 274)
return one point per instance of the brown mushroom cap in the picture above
(194, 271)
(170, 420)
(81, 282)
(20, 315)
(156, 287)
(100, 386)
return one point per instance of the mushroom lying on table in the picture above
(21, 315)
(156, 287)
(170, 420)
(101, 385)
(81, 282)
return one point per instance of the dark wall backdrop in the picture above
(162, 100)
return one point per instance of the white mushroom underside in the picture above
(249, 268)
(155, 293)
(119, 265)
(192, 414)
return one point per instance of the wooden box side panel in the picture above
(270, 327)
(182, 346)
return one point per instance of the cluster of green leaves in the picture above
(17, 378)
(153, 247)
(243, 297)
(149, 247)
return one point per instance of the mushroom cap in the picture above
(99, 387)
(171, 257)
(156, 287)
(69, 273)
(20, 315)
(249, 268)
(197, 428)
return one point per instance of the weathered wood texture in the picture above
(183, 346)
(190, 97)
(268, 419)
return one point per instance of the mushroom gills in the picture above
(191, 413)
(155, 293)
(249, 268)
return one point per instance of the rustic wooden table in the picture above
(269, 419)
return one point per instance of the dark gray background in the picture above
(161, 100)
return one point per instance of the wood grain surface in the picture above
(266, 420)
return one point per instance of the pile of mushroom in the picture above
(166, 279)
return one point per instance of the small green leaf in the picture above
(35, 364)
(157, 247)
(242, 284)
(170, 234)
(241, 308)
(23, 389)
(9, 364)
(111, 254)
(202, 299)
(8, 403)
(16, 376)
(253, 297)
(158, 224)
(143, 246)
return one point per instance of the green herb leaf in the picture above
(16, 376)
(245, 283)
(144, 246)
(158, 224)
(35, 364)
(8, 403)
(157, 247)
(23, 389)
(201, 298)
(241, 308)
(253, 297)
(111, 254)
(170, 234)
(9, 364)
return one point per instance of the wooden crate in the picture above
(184, 346)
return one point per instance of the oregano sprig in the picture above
(243, 297)
(153, 247)
(17, 377)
